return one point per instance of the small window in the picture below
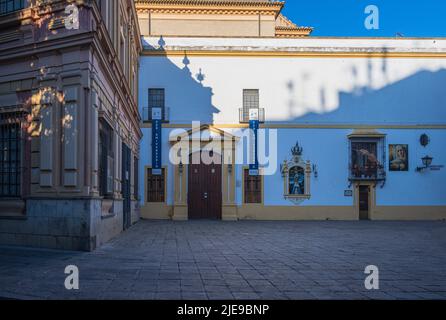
(252, 188)
(156, 186)
(250, 99)
(156, 98)
(10, 157)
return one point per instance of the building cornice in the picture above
(209, 7)
(290, 32)
(296, 54)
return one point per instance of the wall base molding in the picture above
(163, 211)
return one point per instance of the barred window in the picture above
(106, 159)
(250, 99)
(156, 98)
(252, 188)
(10, 157)
(8, 6)
(155, 186)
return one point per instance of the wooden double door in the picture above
(205, 191)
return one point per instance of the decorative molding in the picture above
(288, 54)
(308, 126)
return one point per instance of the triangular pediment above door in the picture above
(211, 133)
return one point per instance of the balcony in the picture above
(10, 6)
(147, 114)
(367, 173)
(244, 115)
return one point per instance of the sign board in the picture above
(254, 114)
(254, 126)
(348, 193)
(156, 141)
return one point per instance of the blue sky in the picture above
(412, 18)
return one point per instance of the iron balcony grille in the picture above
(147, 114)
(244, 115)
(9, 6)
(370, 173)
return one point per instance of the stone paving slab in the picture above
(199, 260)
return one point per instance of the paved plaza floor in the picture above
(240, 260)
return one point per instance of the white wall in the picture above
(352, 91)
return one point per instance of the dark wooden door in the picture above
(364, 197)
(205, 191)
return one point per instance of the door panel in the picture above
(364, 202)
(205, 191)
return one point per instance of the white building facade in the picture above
(349, 128)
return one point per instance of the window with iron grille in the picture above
(364, 159)
(10, 156)
(8, 6)
(250, 99)
(106, 159)
(155, 186)
(156, 98)
(252, 188)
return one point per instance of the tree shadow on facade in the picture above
(185, 93)
(417, 99)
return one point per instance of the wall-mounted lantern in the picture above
(427, 164)
(315, 171)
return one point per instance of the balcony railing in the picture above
(371, 173)
(244, 115)
(147, 114)
(9, 6)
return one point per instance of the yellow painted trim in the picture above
(408, 213)
(287, 54)
(156, 210)
(290, 213)
(165, 184)
(294, 213)
(308, 126)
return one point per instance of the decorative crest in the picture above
(297, 150)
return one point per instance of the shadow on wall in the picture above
(417, 99)
(191, 100)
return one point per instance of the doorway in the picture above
(205, 190)
(364, 202)
(125, 185)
